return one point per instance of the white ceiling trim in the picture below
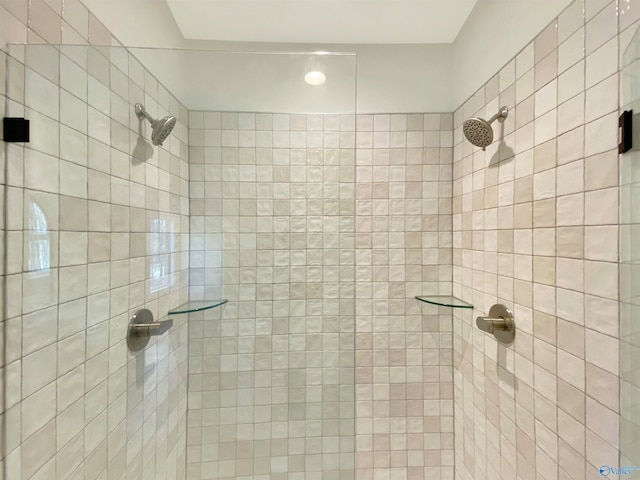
(322, 21)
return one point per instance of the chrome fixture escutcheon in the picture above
(142, 327)
(499, 322)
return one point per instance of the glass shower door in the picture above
(630, 266)
(251, 198)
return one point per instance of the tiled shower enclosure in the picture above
(320, 229)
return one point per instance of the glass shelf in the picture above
(444, 301)
(196, 306)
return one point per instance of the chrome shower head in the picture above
(479, 132)
(160, 128)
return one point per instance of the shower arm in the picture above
(141, 112)
(504, 111)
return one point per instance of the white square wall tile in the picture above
(99, 126)
(629, 12)
(601, 243)
(601, 207)
(571, 145)
(602, 98)
(40, 290)
(602, 315)
(38, 370)
(603, 421)
(524, 61)
(571, 114)
(593, 7)
(37, 328)
(99, 96)
(73, 180)
(38, 410)
(601, 135)
(546, 98)
(73, 146)
(41, 94)
(570, 178)
(571, 19)
(571, 82)
(570, 274)
(48, 139)
(41, 171)
(71, 352)
(602, 63)
(546, 127)
(73, 112)
(73, 248)
(598, 348)
(544, 185)
(571, 369)
(601, 279)
(602, 27)
(73, 283)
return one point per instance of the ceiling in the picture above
(322, 21)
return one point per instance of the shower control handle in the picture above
(500, 323)
(153, 328)
(492, 325)
(142, 328)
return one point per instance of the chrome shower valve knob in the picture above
(142, 328)
(500, 323)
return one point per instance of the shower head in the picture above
(160, 128)
(479, 132)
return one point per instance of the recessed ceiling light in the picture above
(315, 78)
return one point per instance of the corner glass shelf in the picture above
(197, 306)
(444, 301)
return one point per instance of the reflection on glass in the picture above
(162, 243)
(39, 256)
